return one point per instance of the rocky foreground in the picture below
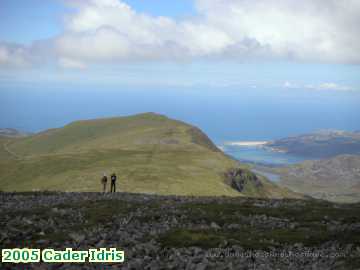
(169, 232)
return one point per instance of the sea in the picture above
(224, 114)
(259, 155)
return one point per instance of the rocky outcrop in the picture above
(239, 178)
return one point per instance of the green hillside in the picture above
(336, 179)
(149, 152)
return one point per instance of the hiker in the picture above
(113, 182)
(103, 182)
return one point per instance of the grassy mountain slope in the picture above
(4, 154)
(150, 154)
(336, 179)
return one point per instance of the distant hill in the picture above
(321, 144)
(11, 132)
(336, 179)
(150, 153)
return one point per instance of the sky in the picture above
(308, 48)
(186, 40)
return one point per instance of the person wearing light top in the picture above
(104, 182)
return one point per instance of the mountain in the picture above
(321, 144)
(336, 179)
(11, 132)
(149, 152)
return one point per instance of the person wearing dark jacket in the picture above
(113, 183)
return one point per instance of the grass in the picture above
(4, 141)
(133, 132)
(255, 238)
(334, 179)
(102, 212)
(150, 153)
(167, 173)
(311, 230)
(310, 211)
(248, 238)
(352, 263)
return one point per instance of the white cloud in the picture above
(70, 63)
(330, 86)
(322, 86)
(111, 31)
(288, 84)
(307, 30)
(13, 56)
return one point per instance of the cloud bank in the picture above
(331, 86)
(13, 55)
(110, 31)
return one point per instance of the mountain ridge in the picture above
(151, 153)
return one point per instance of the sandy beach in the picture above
(247, 143)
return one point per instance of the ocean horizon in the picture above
(230, 116)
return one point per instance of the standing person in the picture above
(113, 182)
(104, 182)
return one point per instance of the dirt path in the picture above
(11, 153)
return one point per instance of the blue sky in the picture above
(297, 67)
(26, 21)
(192, 42)
(175, 9)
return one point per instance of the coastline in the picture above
(261, 144)
(247, 143)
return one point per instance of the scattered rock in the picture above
(201, 266)
(77, 237)
(214, 226)
(137, 231)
